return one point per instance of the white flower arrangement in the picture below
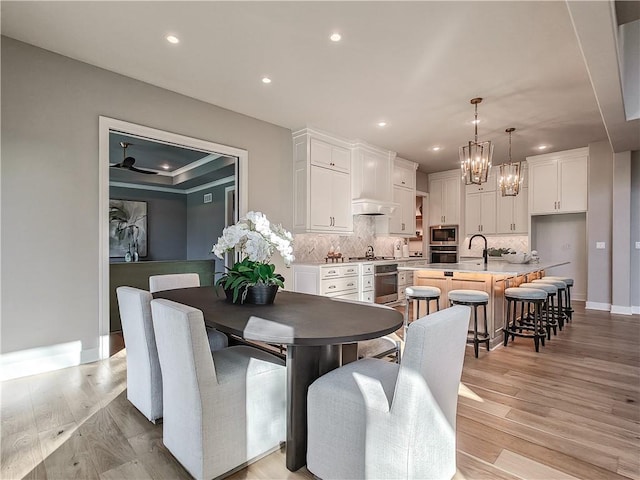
(256, 239)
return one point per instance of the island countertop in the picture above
(496, 268)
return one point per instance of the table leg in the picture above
(304, 365)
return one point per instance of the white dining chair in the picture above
(373, 419)
(222, 409)
(172, 281)
(144, 378)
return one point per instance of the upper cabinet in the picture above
(444, 198)
(480, 206)
(402, 222)
(322, 183)
(558, 182)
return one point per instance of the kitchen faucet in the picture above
(369, 253)
(485, 254)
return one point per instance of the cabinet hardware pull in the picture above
(558, 205)
(350, 284)
(331, 271)
(332, 286)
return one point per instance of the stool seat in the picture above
(547, 287)
(525, 293)
(422, 291)
(469, 296)
(560, 285)
(567, 280)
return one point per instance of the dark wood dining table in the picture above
(320, 334)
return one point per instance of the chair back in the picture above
(432, 361)
(173, 281)
(144, 378)
(188, 371)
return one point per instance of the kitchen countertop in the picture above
(356, 262)
(497, 268)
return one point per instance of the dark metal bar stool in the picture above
(562, 289)
(567, 297)
(532, 328)
(475, 299)
(550, 316)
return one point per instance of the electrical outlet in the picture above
(208, 197)
(600, 245)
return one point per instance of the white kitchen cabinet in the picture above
(404, 173)
(367, 282)
(558, 182)
(444, 198)
(331, 280)
(512, 213)
(480, 213)
(322, 183)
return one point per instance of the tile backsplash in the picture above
(313, 248)
(519, 243)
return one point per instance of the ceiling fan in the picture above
(127, 162)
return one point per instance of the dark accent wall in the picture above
(166, 222)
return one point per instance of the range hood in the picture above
(371, 206)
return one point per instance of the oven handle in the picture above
(385, 274)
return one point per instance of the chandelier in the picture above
(510, 173)
(475, 157)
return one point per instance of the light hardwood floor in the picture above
(570, 411)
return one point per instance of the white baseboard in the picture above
(44, 359)
(598, 306)
(635, 310)
(620, 310)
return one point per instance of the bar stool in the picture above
(562, 289)
(420, 292)
(475, 299)
(567, 297)
(528, 296)
(550, 318)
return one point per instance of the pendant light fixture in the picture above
(475, 157)
(510, 173)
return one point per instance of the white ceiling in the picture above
(414, 65)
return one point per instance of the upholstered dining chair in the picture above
(172, 281)
(144, 379)
(221, 409)
(372, 419)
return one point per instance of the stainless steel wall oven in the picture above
(444, 254)
(385, 283)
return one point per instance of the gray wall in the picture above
(49, 175)
(620, 253)
(599, 222)
(635, 230)
(166, 222)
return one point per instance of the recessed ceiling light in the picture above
(543, 147)
(382, 124)
(336, 37)
(475, 121)
(165, 167)
(436, 148)
(173, 39)
(266, 80)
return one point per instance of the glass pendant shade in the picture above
(475, 157)
(510, 174)
(509, 180)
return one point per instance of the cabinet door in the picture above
(472, 219)
(543, 187)
(521, 212)
(341, 202)
(324, 154)
(451, 201)
(404, 176)
(488, 212)
(321, 217)
(403, 220)
(436, 194)
(505, 207)
(572, 177)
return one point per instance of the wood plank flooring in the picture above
(570, 411)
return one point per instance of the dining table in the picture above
(320, 333)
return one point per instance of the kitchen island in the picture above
(493, 278)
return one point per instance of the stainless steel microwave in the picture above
(443, 235)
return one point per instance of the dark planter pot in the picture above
(256, 295)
